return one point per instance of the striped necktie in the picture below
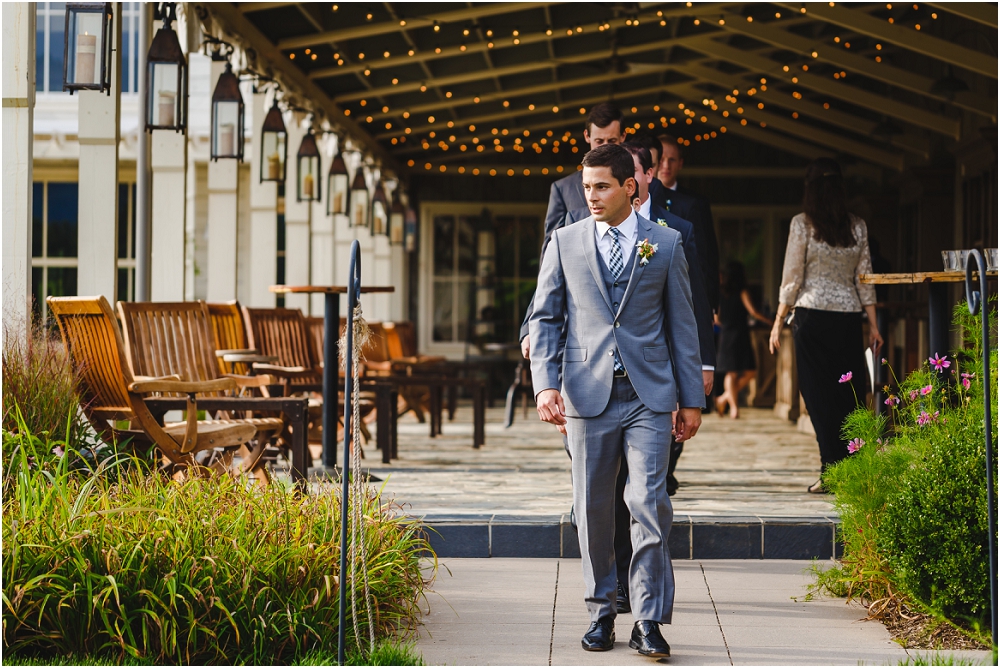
(616, 265)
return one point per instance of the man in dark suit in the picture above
(666, 193)
(605, 125)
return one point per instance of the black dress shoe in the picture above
(621, 600)
(646, 638)
(600, 637)
(672, 484)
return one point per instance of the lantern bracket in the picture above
(222, 50)
(166, 12)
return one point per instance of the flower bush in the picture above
(912, 495)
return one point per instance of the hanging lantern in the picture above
(88, 44)
(273, 146)
(227, 117)
(338, 186)
(166, 78)
(410, 231)
(359, 199)
(397, 222)
(308, 169)
(380, 210)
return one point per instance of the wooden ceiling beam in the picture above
(832, 87)
(774, 35)
(980, 12)
(917, 145)
(914, 40)
(386, 27)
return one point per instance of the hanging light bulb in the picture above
(308, 161)
(227, 117)
(359, 199)
(273, 146)
(338, 186)
(166, 78)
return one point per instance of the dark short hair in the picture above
(614, 156)
(670, 139)
(647, 141)
(604, 114)
(638, 151)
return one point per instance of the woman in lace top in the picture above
(827, 251)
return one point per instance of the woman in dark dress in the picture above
(735, 353)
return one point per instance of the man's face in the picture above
(596, 136)
(642, 179)
(671, 164)
(609, 201)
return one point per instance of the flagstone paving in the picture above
(758, 465)
(745, 612)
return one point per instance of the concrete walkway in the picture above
(531, 612)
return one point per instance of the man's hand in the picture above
(551, 409)
(708, 379)
(686, 423)
(526, 347)
(561, 428)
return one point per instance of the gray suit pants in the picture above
(626, 428)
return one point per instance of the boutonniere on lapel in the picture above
(661, 222)
(646, 251)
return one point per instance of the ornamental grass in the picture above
(142, 569)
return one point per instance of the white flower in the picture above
(646, 251)
(662, 223)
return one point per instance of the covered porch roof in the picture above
(473, 87)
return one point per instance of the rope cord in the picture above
(357, 494)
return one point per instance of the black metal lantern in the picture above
(380, 210)
(227, 117)
(308, 169)
(273, 146)
(88, 47)
(397, 222)
(338, 186)
(166, 77)
(359, 199)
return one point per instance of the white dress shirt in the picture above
(645, 207)
(628, 231)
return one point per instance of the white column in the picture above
(297, 225)
(223, 183)
(18, 120)
(397, 299)
(169, 164)
(100, 134)
(323, 267)
(343, 235)
(381, 257)
(263, 255)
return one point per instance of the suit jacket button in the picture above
(618, 324)
(611, 352)
(616, 284)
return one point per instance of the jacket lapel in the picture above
(642, 232)
(589, 228)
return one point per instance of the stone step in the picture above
(692, 536)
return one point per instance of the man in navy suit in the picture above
(665, 192)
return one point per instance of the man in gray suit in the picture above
(616, 287)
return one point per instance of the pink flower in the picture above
(967, 380)
(924, 391)
(885, 361)
(58, 451)
(939, 363)
(926, 418)
(854, 445)
(891, 400)
(913, 395)
(846, 378)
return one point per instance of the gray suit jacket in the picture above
(565, 195)
(654, 328)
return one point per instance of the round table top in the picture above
(328, 289)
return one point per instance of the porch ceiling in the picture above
(444, 86)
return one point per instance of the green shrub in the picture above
(144, 569)
(912, 499)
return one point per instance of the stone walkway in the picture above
(745, 612)
(758, 465)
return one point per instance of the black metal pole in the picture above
(353, 296)
(978, 301)
(331, 329)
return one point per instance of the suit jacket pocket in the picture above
(575, 355)
(656, 354)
